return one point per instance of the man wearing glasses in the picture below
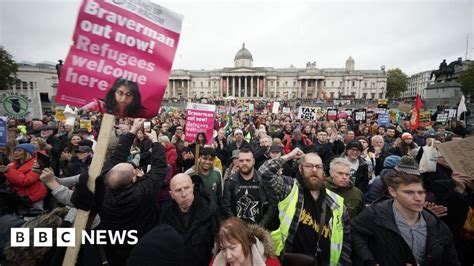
(313, 220)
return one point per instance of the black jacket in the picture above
(268, 210)
(377, 240)
(200, 234)
(133, 208)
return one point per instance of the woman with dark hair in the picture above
(200, 140)
(123, 99)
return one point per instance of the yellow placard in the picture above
(86, 124)
(59, 115)
(425, 116)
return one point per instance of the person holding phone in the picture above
(23, 175)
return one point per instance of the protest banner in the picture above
(252, 107)
(286, 110)
(121, 49)
(276, 107)
(119, 64)
(384, 119)
(342, 115)
(307, 113)
(332, 114)
(380, 110)
(21, 104)
(425, 116)
(394, 117)
(383, 103)
(341, 102)
(442, 117)
(3, 134)
(360, 115)
(85, 123)
(451, 113)
(459, 154)
(199, 118)
(404, 107)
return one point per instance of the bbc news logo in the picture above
(66, 237)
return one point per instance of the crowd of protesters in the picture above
(271, 189)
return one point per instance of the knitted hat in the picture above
(391, 161)
(362, 138)
(28, 147)
(84, 149)
(354, 144)
(406, 136)
(86, 142)
(235, 154)
(160, 246)
(408, 165)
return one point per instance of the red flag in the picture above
(415, 113)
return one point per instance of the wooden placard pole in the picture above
(196, 159)
(94, 170)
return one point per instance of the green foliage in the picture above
(397, 82)
(8, 69)
(466, 78)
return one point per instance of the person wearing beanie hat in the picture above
(378, 189)
(162, 245)
(359, 167)
(22, 177)
(238, 143)
(406, 146)
(408, 165)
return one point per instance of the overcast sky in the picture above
(412, 35)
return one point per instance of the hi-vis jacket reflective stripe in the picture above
(287, 212)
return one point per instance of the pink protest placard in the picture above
(121, 58)
(199, 118)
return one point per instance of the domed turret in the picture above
(350, 64)
(243, 58)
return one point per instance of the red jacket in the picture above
(171, 156)
(25, 182)
(304, 138)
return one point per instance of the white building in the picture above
(246, 81)
(417, 84)
(41, 77)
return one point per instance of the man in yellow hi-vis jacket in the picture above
(305, 204)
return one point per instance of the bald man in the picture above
(129, 202)
(192, 216)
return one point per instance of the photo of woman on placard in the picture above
(123, 99)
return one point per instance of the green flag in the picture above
(229, 125)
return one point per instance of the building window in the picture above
(278, 83)
(365, 84)
(332, 95)
(32, 86)
(194, 83)
(24, 85)
(364, 95)
(332, 83)
(286, 83)
(294, 83)
(373, 95)
(201, 85)
(381, 95)
(324, 83)
(340, 83)
(271, 83)
(353, 83)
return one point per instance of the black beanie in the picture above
(354, 144)
(160, 246)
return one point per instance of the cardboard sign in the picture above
(341, 102)
(404, 107)
(199, 118)
(21, 104)
(120, 44)
(86, 124)
(59, 115)
(383, 119)
(459, 154)
(395, 117)
(360, 115)
(332, 114)
(307, 113)
(276, 107)
(442, 118)
(451, 113)
(3, 134)
(425, 116)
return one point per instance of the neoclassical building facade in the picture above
(249, 82)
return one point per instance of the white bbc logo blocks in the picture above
(20, 237)
(43, 237)
(66, 237)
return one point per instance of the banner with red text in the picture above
(199, 118)
(121, 57)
